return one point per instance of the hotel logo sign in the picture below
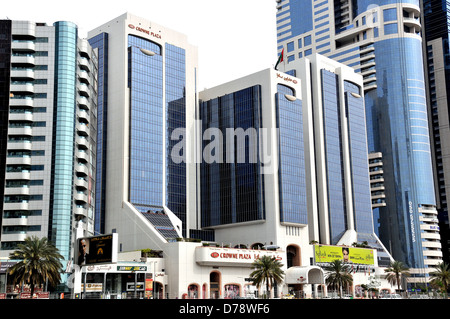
(153, 34)
(232, 256)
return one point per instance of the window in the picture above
(307, 40)
(290, 47)
(390, 14)
(390, 28)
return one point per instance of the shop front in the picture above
(121, 281)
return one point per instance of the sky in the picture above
(234, 38)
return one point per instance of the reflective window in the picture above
(146, 123)
(291, 170)
(232, 190)
(333, 150)
(175, 66)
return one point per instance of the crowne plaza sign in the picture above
(214, 256)
(140, 29)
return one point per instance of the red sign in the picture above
(131, 26)
(214, 255)
(39, 295)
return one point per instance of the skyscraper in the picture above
(435, 17)
(49, 100)
(382, 42)
(147, 83)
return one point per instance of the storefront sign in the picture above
(92, 287)
(131, 268)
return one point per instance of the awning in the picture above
(304, 275)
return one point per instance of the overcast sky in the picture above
(234, 37)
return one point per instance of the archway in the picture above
(293, 256)
(193, 291)
(158, 290)
(214, 285)
(257, 246)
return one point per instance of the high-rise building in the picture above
(435, 17)
(147, 100)
(318, 182)
(382, 42)
(48, 134)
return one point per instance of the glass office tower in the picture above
(382, 42)
(146, 97)
(49, 94)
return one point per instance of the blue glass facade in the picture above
(358, 158)
(60, 223)
(146, 163)
(175, 66)
(100, 42)
(298, 26)
(399, 122)
(291, 171)
(396, 116)
(361, 6)
(334, 159)
(232, 191)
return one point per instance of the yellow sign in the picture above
(326, 254)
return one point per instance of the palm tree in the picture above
(441, 276)
(268, 270)
(395, 272)
(39, 262)
(338, 275)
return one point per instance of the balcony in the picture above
(82, 142)
(83, 156)
(22, 87)
(81, 211)
(19, 145)
(84, 115)
(83, 101)
(81, 183)
(80, 198)
(24, 175)
(22, 73)
(15, 221)
(23, 130)
(23, 59)
(29, 102)
(26, 45)
(18, 160)
(24, 190)
(16, 206)
(83, 90)
(21, 116)
(82, 170)
(19, 236)
(83, 129)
